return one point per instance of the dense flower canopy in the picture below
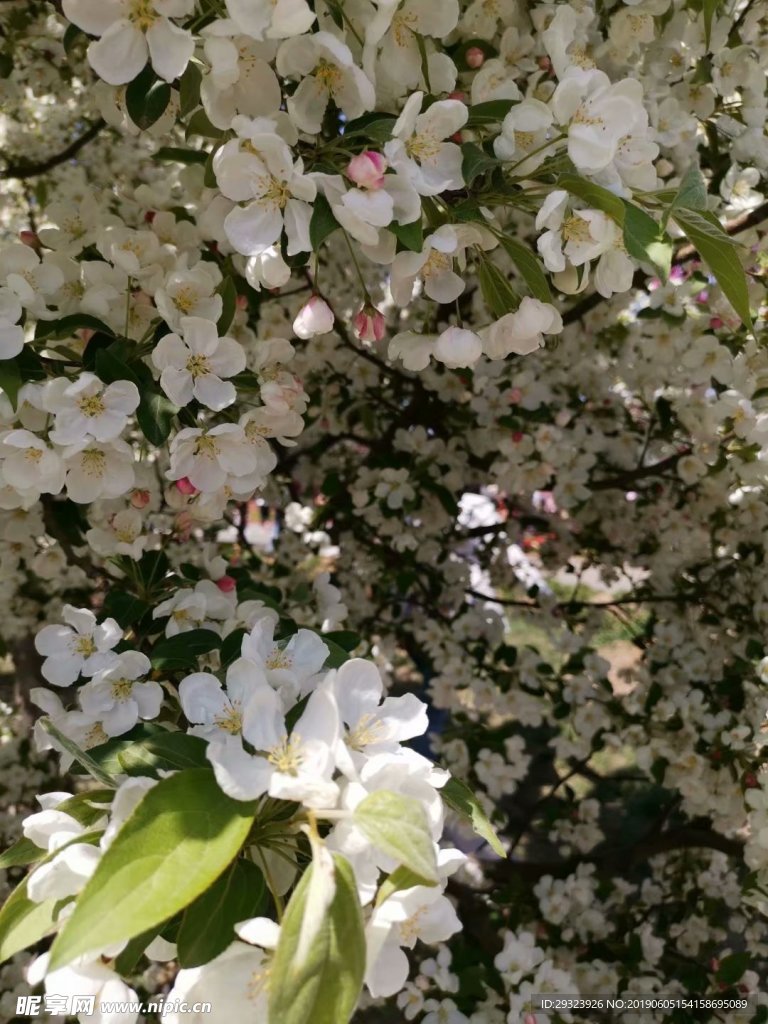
(383, 444)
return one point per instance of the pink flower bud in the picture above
(186, 486)
(149, 216)
(140, 499)
(458, 95)
(29, 238)
(369, 324)
(226, 584)
(715, 323)
(367, 169)
(474, 57)
(242, 302)
(315, 317)
(85, 334)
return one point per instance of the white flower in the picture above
(192, 366)
(80, 647)
(399, 25)
(31, 279)
(117, 698)
(458, 347)
(328, 72)
(29, 464)
(89, 408)
(262, 172)
(434, 265)
(11, 334)
(524, 133)
(598, 114)
(132, 31)
(417, 148)
(189, 293)
(414, 350)
(205, 607)
(297, 766)
(315, 317)
(273, 19)
(241, 80)
(370, 725)
(522, 332)
(219, 714)
(290, 668)
(213, 458)
(98, 469)
(89, 976)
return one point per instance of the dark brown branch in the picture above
(623, 480)
(27, 169)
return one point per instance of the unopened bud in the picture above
(369, 324)
(186, 486)
(315, 317)
(226, 584)
(367, 169)
(140, 499)
(474, 57)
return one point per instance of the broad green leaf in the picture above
(163, 751)
(10, 379)
(732, 968)
(231, 646)
(716, 248)
(183, 650)
(398, 826)
(207, 927)
(182, 835)
(199, 124)
(24, 922)
(189, 89)
(401, 878)
(645, 240)
(177, 155)
(125, 608)
(323, 222)
(499, 295)
(155, 415)
(490, 112)
(21, 853)
(336, 654)
(594, 195)
(344, 638)
(463, 801)
(65, 327)
(529, 267)
(107, 755)
(709, 9)
(228, 293)
(410, 236)
(146, 98)
(374, 126)
(325, 988)
(110, 367)
(692, 193)
(475, 161)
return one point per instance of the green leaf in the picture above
(325, 988)
(499, 295)
(344, 638)
(336, 654)
(231, 646)
(65, 327)
(146, 98)
(106, 755)
(177, 155)
(401, 878)
(410, 236)
(24, 922)
(182, 835)
(716, 248)
(645, 240)
(692, 193)
(323, 222)
(125, 608)
(110, 368)
(374, 126)
(398, 826)
(155, 415)
(21, 853)
(491, 112)
(595, 195)
(200, 125)
(10, 379)
(208, 924)
(732, 968)
(709, 9)
(183, 650)
(529, 267)
(475, 161)
(228, 293)
(163, 751)
(463, 801)
(189, 89)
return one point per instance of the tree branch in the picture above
(25, 169)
